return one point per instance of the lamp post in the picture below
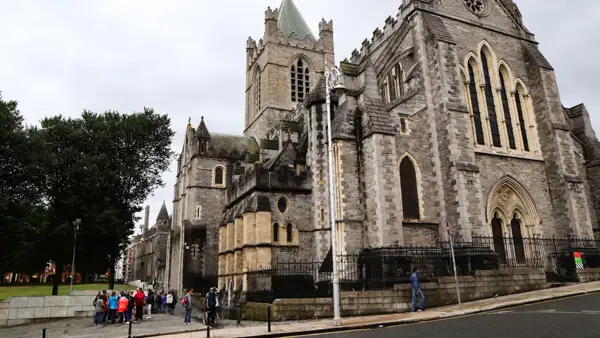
(76, 224)
(333, 84)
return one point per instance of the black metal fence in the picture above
(377, 269)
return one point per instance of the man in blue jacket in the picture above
(416, 291)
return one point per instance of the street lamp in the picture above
(76, 224)
(333, 84)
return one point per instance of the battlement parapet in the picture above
(378, 37)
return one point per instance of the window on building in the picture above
(219, 175)
(408, 187)
(275, 232)
(299, 80)
(257, 91)
(519, 102)
(403, 126)
(282, 205)
(198, 212)
(392, 85)
(289, 232)
(491, 106)
(476, 111)
(507, 117)
(322, 216)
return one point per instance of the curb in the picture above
(403, 321)
(418, 320)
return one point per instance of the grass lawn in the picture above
(46, 290)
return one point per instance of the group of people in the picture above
(121, 308)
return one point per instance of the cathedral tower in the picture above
(283, 66)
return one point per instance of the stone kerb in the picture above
(20, 310)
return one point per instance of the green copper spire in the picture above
(291, 21)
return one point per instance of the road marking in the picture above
(549, 311)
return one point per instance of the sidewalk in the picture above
(282, 329)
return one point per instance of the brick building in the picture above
(451, 114)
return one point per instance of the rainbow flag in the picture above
(578, 260)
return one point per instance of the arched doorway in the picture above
(514, 221)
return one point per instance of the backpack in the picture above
(183, 300)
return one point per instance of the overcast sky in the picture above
(186, 58)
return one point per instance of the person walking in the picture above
(211, 303)
(139, 304)
(99, 307)
(187, 305)
(416, 291)
(149, 302)
(113, 304)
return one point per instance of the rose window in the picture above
(476, 6)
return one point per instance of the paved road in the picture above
(577, 317)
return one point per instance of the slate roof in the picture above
(224, 145)
(202, 131)
(437, 28)
(536, 56)
(163, 214)
(291, 21)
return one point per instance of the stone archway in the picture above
(512, 219)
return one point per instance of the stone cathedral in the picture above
(450, 115)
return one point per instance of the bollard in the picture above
(208, 332)
(130, 325)
(43, 333)
(239, 313)
(269, 318)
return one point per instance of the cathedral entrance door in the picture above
(498, 237)
(517, 235)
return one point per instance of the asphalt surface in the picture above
(577, 317)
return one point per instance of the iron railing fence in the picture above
(382, 268)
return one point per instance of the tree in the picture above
(21, 184)
(100, 168)
(131, 151)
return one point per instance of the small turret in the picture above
(326, 34)
(250, 51)
(146, 218)
(271, 30)
(163, 214)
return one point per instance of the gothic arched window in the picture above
(506, 108)
(473, 94)
(489, 97)
(408, 186)
(392, 85)
(289, 232)
(219, 175)
(275, 232)
(257, 91)
(522, 124)
(300, 80)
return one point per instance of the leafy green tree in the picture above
(21, 185)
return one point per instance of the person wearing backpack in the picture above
(170, 303)
(211, 303)
(186, 301)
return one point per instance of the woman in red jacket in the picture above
(122, 307)
(139, 304)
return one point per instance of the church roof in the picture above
(163, 214)
(232, 145)
(291, 21)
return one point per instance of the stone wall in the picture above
(22, 310)
(484, 284)
(588, 275)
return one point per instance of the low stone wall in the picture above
(484, 284)
(22, 310)
(588, 275)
